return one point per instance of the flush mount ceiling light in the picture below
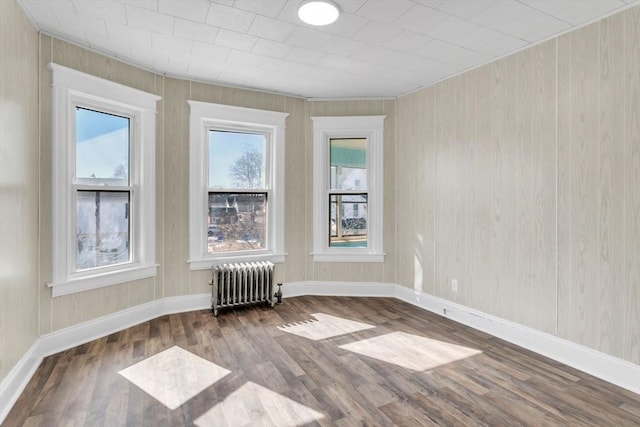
(316, 12)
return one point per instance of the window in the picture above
(236, 182)
(347, 183)
(348, 159)
(103, 183)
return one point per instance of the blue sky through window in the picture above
(225, 148)
(90, 124)
(102, 145)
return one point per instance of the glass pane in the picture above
(237, 222)
(102, 148)
(348, 220)
(236, 159)
(348, 163)
(102, 228)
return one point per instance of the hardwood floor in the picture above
(313, 361)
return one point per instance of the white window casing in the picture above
(73, 88)
(325, 128)
(204, 117)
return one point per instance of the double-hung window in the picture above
(236, 183)
(103, 182)
(347, 183)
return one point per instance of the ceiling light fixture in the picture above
(316, 12)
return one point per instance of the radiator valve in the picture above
(279, 294)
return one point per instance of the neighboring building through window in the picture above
(103, 183)
(348, 158)
(348, 182)
(237, 191)
(236, 184)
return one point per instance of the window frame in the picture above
(204, 117)
(326, 128)
(71, 89)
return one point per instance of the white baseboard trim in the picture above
(347, 289)
(601, 365)
(15, 382)
(609, 368)
(17, 379)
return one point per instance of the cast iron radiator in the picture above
(241, 284)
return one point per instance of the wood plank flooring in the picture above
(390, 364)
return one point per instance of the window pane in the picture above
(348, 163)
(102, 148)
(236, 222)
(236, 159)
(102, 228)
(348, 220)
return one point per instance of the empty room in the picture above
(319, 213)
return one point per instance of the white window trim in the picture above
(203, 116)
(324, 128)
(70, 87)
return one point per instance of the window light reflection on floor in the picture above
(174, 376)
(324, 326)
(255, 405)
(410, 351)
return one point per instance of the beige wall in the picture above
(529, 169)
(519, 179)
(355, 272)
(172, 152)
(57, 313)
(18, 185)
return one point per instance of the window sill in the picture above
(347, 257)
(207, 263)
(79, 284)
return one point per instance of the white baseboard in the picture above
(17, 379)
(601, 365)
(347, 289)
(609, 368)
(15, 382)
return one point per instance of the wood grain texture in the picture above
(596, 268)
(357, 272)
(495, 194)
(504, 167)
(19, 180)
(297, 234)
(415, 175)
(160, 193)
(480, 191)
(577, 318)
(277, 377)
(447, 177)
(57, 313)
(631, 290)
(542, 142)
(44, 200)
(176, 184)
(390, 205)
(611, 179)
(543, 221)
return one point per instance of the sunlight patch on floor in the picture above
(174, 376)
(255, 405)
(324, 326)
(410, 351)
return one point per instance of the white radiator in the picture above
(241, 284)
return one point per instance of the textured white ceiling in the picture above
(377, 48)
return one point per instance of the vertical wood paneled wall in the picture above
(529, 174)
(18, 185)
(172, 171)
(364, 271)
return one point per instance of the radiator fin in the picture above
(241, 284)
